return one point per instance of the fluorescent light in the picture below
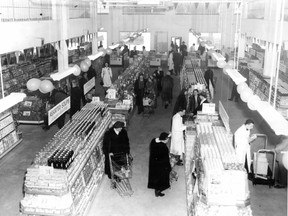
(11, 100)
(60, 75)
(114, 46)
(218, 57)
(95, 56)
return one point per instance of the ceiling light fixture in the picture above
(60, 75)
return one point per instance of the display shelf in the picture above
(80, 176)
(10, 148)
(215, 182)
(30, 122)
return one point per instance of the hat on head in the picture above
(118, 124)
(164, 136)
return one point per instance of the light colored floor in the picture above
(264, 201)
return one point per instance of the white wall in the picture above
(20, 35)
(174, 25)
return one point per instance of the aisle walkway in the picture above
(143, 202)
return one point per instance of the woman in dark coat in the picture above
(159, 165)
(159, 74)
(181, 102)
(208, 76)
(115, 141)
(139, 89)
(167, 90)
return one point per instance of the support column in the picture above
(63, 49)
(94, 5)
(241, 46)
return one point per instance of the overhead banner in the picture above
(89, 85)
(58, 110)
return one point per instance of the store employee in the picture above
(203, 99)
(242, 140)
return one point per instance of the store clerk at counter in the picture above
(203, 99)
(242, 140)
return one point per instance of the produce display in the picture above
(216, 184)
(67, 172)
(31, 110)
(8, 134)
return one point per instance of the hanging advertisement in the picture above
(58, 110)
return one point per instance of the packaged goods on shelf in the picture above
(8, 133)
(70, 166)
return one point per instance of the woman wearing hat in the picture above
(159, 165)
(115, 141)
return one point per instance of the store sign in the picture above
(224, 116)
(89, 85)
(58, 110)
(208, 108)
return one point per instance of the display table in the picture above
(31, 111)
(120, 99)
(8, 134)
(68, 171)
(216, 183)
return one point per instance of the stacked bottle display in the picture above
(67, 142)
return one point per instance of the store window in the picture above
(143, 40)
(102, 39)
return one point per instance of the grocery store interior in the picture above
(50, 44)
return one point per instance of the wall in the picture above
(174, 25)
(20, 35)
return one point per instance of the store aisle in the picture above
(265, 201)
(143, 202)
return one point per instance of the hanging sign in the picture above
(208, 108)
(58, 110)
(89, 85)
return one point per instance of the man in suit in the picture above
(194, 101)
(203, 99)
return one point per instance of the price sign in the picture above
(126, 102)
(95, 99)
(208, 108)
(89, 85)
(28, 103)
(45, 170)
(58, 110)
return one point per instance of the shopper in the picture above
(203, 99)
(194, 101)
(159, 165)
(177, 60)
(242, 140)
(177, 139)
(133, 52)
(192, 48)
(139, 89)
(281, 174)
(75, 100)
(115, 141)
(181, 101)
(159, 74)
(209, 78)
(183, 47)
(234, 93)
(106, 76)
(83, 80)
(183, 54)
(144, 51)
(167, 90)
(170, 62)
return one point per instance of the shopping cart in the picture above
(149, 104)
(121, 171)
(263, 162)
